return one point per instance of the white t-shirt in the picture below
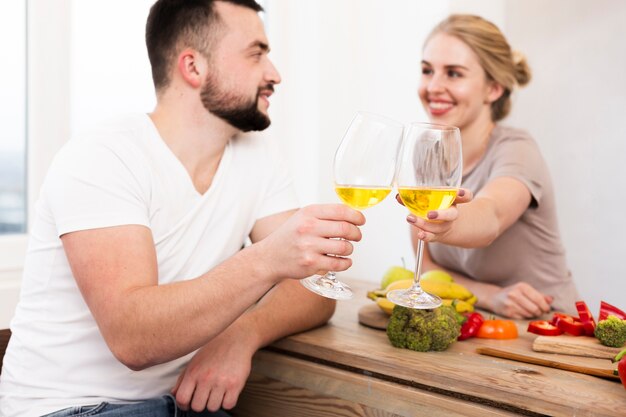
(123, 173)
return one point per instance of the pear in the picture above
(395, 273)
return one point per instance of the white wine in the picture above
(422, 200)
(361, 197)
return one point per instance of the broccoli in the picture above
(423, 330)
(611, 331)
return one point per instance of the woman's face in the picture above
(454, 89)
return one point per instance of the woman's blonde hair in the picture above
(501, 64)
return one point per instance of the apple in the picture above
(395, 273)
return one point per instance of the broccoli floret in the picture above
(423, 330)
(611, 331)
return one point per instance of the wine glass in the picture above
(363, 169)
(428, 177)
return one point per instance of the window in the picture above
(13, 117)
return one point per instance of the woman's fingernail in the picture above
(461, 192)
(432, 215)
(411, 218)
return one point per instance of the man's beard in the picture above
(238, 111)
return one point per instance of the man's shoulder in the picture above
(123, 126)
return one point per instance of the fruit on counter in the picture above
(442, 289)
(620, 358)
(471, 326)
(396, 273)
(498, 329)
(611, 331)
(451, 293)
(586, 318)
(423, 330)
(385, 305)
(606, 309)
(568, 324)
(460, 306)
(543, 328)
(437, 275)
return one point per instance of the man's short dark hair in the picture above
(176, 24)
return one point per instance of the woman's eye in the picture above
(427, 71)
(454, 74)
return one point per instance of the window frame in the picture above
(47, 114)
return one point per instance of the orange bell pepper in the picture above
(498, 329)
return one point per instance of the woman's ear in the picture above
(494, 91)
(191, 67)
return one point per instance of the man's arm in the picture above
(217, 374)
(116, 271)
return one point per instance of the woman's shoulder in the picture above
(504, 132)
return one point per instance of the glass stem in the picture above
(418, 267)
(330, 275)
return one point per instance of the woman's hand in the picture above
(439, 221)
(519, 301)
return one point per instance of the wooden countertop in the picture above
(458, 372)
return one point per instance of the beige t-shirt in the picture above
(531, 249)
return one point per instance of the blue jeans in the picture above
(164, 406)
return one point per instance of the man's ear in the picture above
(494, 91)
(191, 66)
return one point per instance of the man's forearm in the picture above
(286, 309)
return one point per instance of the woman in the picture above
(505, 244)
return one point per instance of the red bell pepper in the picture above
(606, 309)
(543, 328)
(621, 366)
(471, 325)
(568, 324)
(586, 318)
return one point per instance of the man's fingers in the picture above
(214, 402)
(183, 395)
(336, 212)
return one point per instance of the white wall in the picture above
(576, 107)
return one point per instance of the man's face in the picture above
(241, 77)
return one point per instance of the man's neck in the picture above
(195, 136)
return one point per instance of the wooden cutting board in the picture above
(371, 315)
(521, 350)
(574, 345)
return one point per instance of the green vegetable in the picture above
(611, 331)
(423, 330)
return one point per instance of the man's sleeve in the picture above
(90, 185)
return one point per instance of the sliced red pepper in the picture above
(570, 325)
(471, 325)
(543, 328)
(586, 318)
(606, 309)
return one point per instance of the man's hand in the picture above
(315, 238)
(519, 301)
(217, 373)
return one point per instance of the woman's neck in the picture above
(475, 139)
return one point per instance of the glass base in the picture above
(327, 287)
(411, 298)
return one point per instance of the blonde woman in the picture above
(505, 244)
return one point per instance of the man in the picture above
(135, 283)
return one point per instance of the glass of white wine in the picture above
(364, 169)
(428, 178)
